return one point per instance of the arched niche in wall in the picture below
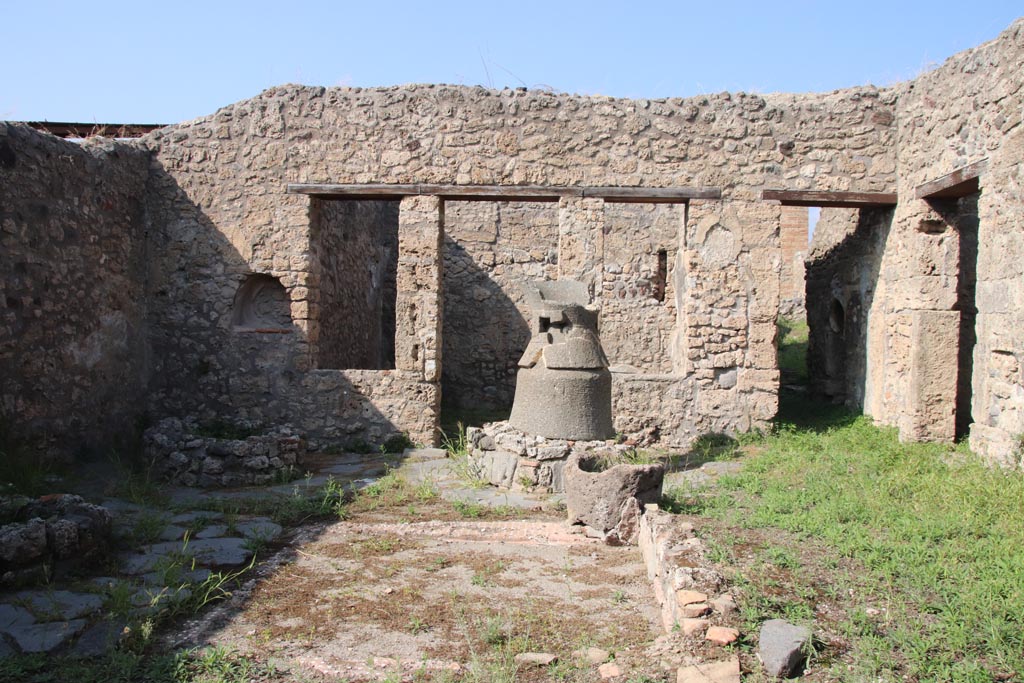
(261, 304)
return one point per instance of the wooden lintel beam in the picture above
(498, 193)
(63, 129)
(652, 195)
(960, 183)
(829, 199)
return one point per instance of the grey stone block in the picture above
(783, 647)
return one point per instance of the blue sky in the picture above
(142, 62)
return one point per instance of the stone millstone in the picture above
(783, 647)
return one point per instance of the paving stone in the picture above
(191, 576)
(220, 552)
(187, 518)
(259, 528)
(46, 637)
(782, 647)
(6, 649)
(724, 671)
(212, 531)
(155, 598)
(59, 605)
(172, 532)
(99, 638)
(13, 616)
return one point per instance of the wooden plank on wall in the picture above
(831, 199)
(960, 183)
(522, 193)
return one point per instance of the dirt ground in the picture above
(375, 598)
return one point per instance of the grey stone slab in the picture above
(172, 532)
(6, 650)
(413, 454)
(59, 605)
(157, 597)
(192, 576)
(14, 616)
(259, 528)
(212, 531)
(46, 637)
(186, 518)
(99, 639)
(214, 552)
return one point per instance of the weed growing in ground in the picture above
(936, 531)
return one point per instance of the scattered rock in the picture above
(724, 671)
(721, 635)
(609, 670)
(691, 627)
(724, 604)
(687, 597)
(693, 611)
(783, 647)
(535, 659)
(592, 655)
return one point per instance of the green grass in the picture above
(938, 533)
(792, 340)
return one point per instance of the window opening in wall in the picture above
(261, 305)
(660, 275)
(353, 283)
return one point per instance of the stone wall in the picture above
(354, 261)
(943, 350)
(73, 361)
(491, 251)
(843, 307)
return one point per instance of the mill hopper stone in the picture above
(563, 388)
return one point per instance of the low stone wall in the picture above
(689, 592)
(187, 458)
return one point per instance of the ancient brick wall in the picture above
(73, 362)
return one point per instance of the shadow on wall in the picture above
(841, 287)
(225, 344)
